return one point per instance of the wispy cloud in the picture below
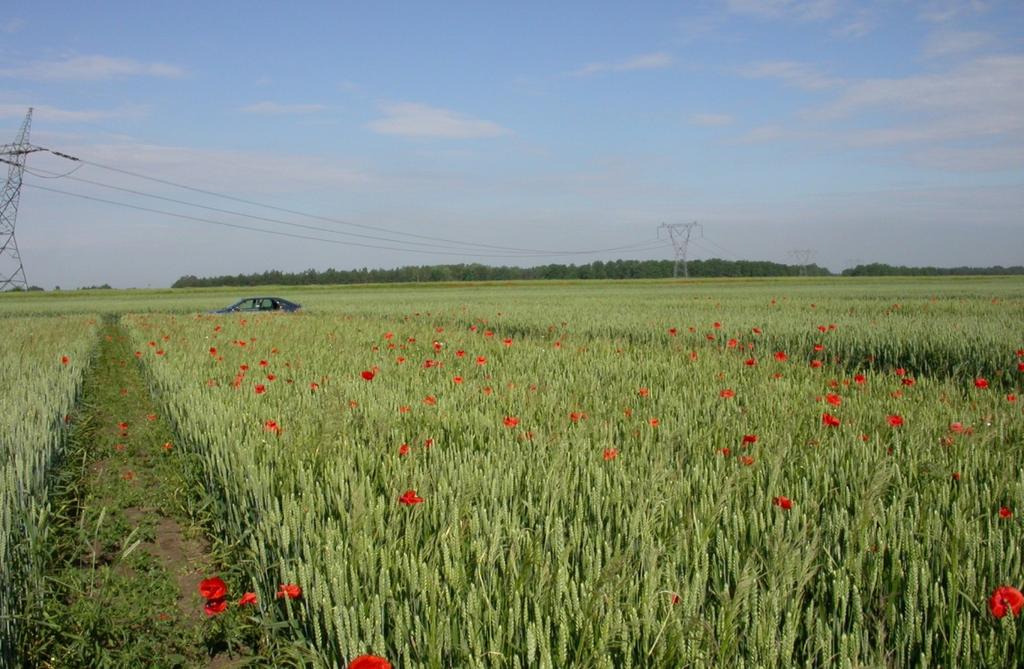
(955, 42)
(11, 26)
(58, 115)
(802, 10)
(943, 11)
(648, 61)
(799, 75)
(711, 120)
(277, 108)
(90, 68)
(410, 119)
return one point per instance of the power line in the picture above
(240, 226)
(293, 224)
(528, 251)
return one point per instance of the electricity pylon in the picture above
(679, 234)
(803, 258)
(12, 271)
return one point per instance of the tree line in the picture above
(615, 269)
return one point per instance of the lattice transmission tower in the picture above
(679, 234)
(803, 258)
(12, 271)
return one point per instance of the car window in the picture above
(247, 305)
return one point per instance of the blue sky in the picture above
(867, 131)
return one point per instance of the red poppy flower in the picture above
(487, 390)
(611, 453)
(956, 476)
(410, 497)
(507, 341)
(1020, 366)
(750, 439)
(859, 379)
(272, 426)
(368, 375)
(673, 331)
(756, 331)
(244, 367)
(289, 590)
(428, 442)
(260, 389)
(430, 400)
(271, 377)
(833, 399)
(746, 460)
(1005, 598)
(481, 360)
(213, 588)
(460, 354)
(782, 502)
(511, 421)
(750, 362)
(215, 606)
(732, 343)
(400, 359)
(725, 452)
(956, 427)
(654, 422)
(781, 356)
(643, 392)
(829, 420)
(981, 383)
(1005, 512)
(168, 446)
(1011, 398)
(369, 662)
(894, 420)
(248, 599)
(818, 348)
(314, 386)
(577, 416)
(716, 325)
(815, 364)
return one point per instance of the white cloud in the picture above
(648, 61)
(795, 74)
(275, 108)
(803, 10)
(11, 26)
(984, 88)
(90, 68)
(954, 42)
(58, 115)
(410, 119)
(711, 120)
(943, 11)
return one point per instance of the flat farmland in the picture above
(638, 474)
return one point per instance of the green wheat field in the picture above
(784, 473)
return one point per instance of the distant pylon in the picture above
(803, 258)
(12, 271)
(679, 234)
